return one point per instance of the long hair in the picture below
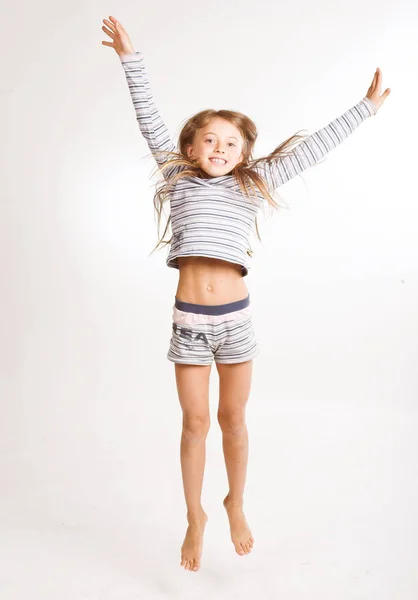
(243, 172)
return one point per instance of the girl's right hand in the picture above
(121, 42)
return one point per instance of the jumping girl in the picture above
(207, 180)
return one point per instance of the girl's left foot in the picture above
(240, 532)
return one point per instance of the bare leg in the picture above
(234, 390)
(193, 390)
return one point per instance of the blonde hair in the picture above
(244, 173)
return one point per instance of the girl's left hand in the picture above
(373, 93)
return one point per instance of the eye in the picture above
(211, 140)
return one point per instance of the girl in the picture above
(207, 181)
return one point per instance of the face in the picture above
(218, 138)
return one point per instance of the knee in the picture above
(232, 421)
(196, 427)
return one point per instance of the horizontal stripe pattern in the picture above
(212, 217)
(228, 339)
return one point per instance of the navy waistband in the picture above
(215, 309)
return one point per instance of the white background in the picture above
(92, 503)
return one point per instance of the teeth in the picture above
(218, 161)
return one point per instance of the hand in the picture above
(373, 93)
(121, 42)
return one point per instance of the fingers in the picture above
(116, 22)
(109, 33)
(376, 81)
(110, 25)
(112, 28)
(113, 24)
(376, 87)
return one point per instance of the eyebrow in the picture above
(231, 136)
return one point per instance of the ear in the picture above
(189, 149)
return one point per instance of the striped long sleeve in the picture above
(149, 119)
(314, 148)
(210, 216)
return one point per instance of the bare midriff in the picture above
(209, 281)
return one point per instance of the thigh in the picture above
(236, 341)
(193, 389)
(191, 344)
(234, 386)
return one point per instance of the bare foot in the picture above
(240, 532)
(191, 550)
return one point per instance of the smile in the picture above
(218, 161)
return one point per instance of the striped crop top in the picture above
(212, 217)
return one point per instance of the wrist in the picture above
(127, 54)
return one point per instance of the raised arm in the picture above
(149, 120)
(147, 115)
(314, 148)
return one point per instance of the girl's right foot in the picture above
(191, 551)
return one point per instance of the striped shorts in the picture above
(203, 332)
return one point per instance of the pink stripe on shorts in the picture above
(201, 333)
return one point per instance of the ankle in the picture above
(196, 517)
